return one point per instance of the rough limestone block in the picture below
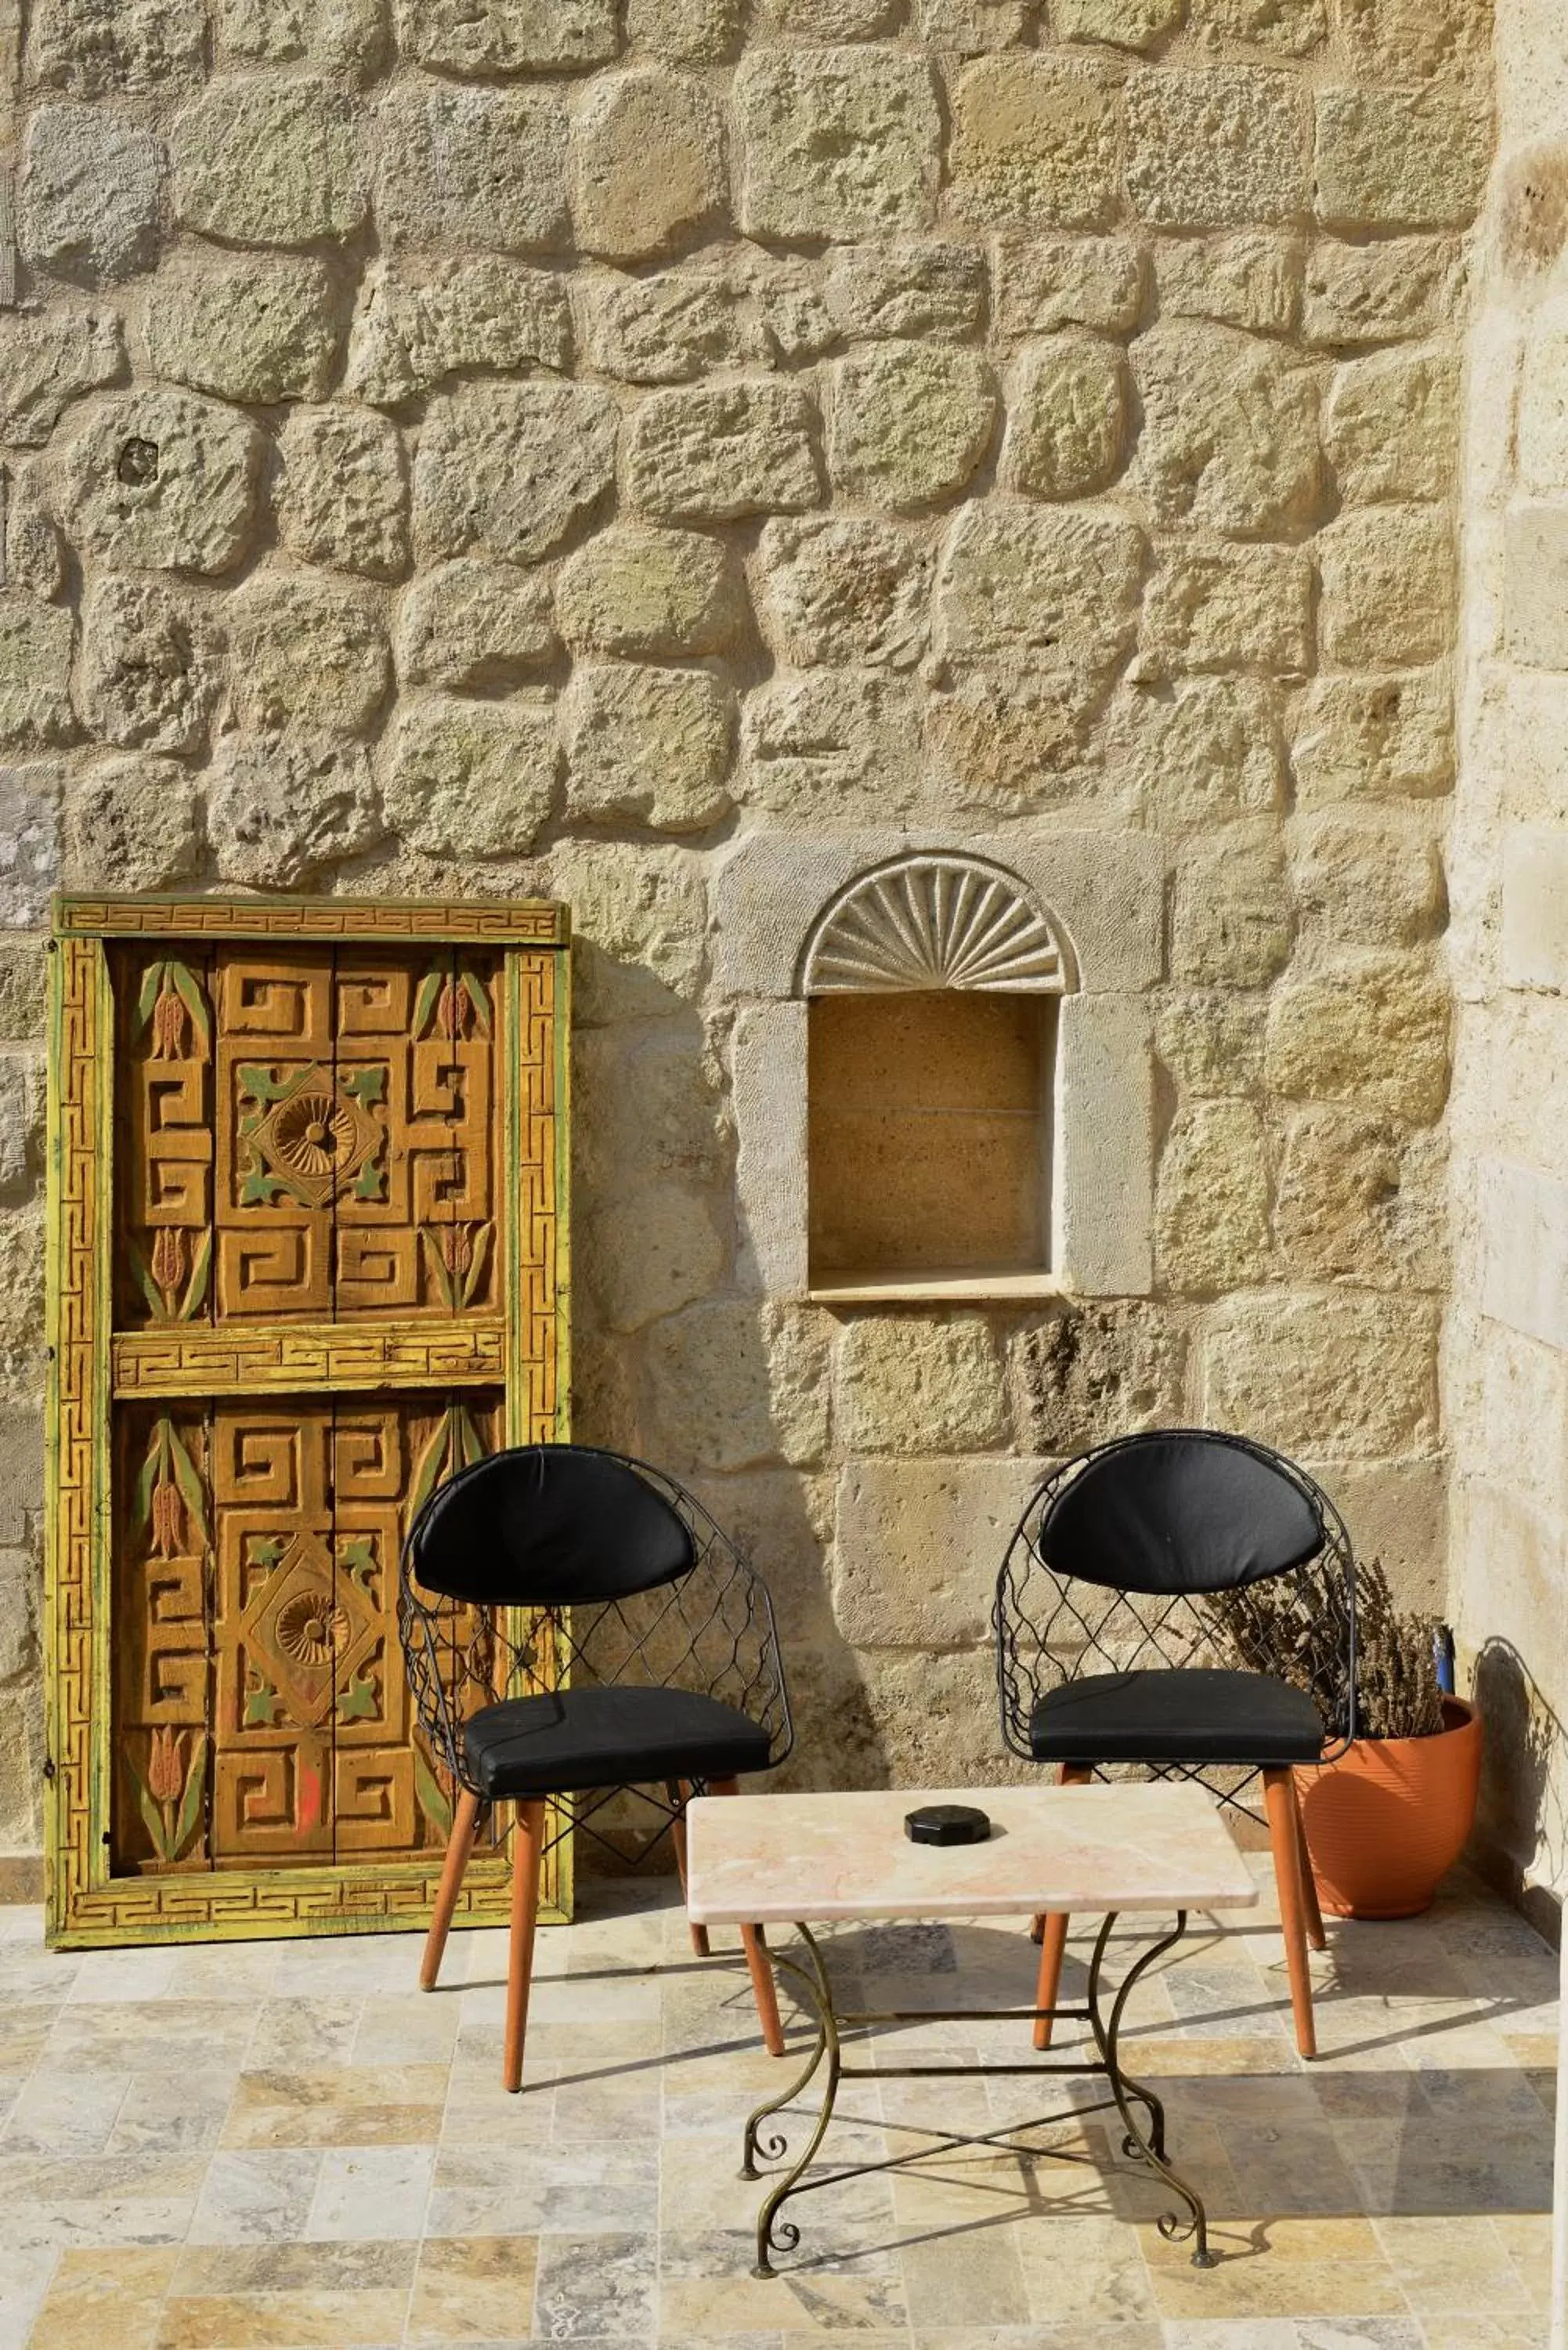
(505, 36)
(1354, 1375)
(1535, 907)
(1376, 738)
(89, 195)
(1380, 293)
(259, 162)
(919, 1544)
(1089, 1367)
(1388, 588)
(479, 168)
(834, 744)
(1524, 1219)
(647, 164)
(1216, 146)
(347, 37)
(1107, 1148)
(1036, 139)
(909, 424)
(132, 823)
(1368, 1028)
(283, 809)
(640, 920)
(488, 314)
(846, 589)
(1295, 27)
(248, 329)
(663, 329)
(1049, 282)
(1232, 923)
(828, 20)
(109, 48)
(1390, 426)
(1418, 40)
(34, 550)
(471, 778)
(1400, 158)
(48, 361)
(512, 469)
(150, 669)
(1202, 750)
(923, 287)
(1055, 591)
(692, 31)
(721, 451)
(655, 594)
(652, 1249)
(918, 1383)
(1229, 433)
(308, 654)
(649, 746)
(1358, 1199)
(342, 494)
(1212, 1043)
(1129, 23)
(1067, 418)
(787, 297)
(36, 644)
(1535, 585)
(969, 27)
(473, 624)
(1252, 279)
(1535, 755)
(1212, 605)
(24, 989)
(1541, 425)
(1362, 881)
(768, 1095)
(731, 1382)
(1211, 1212)
(1011, 743)
(30, 843)
(836, 142)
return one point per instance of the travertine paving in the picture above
(286, 2144)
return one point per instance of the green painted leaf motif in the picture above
(367, 1084)
(360, 1557)
(261, 1707)
(358, 1702)
(425, 1001)
(259, 1191)
(148, 1286)
(475, 1276)
(188, 987)
(432, 1469)
(191, 1801)
(151, 988)
(195, 1295)
(265, 1550)
(438, 1266)
(478, 995)
(148, 1478)
(371, 1183)
(472, 1443)
(261, 1084)
(189, 1483)
(433, 1799)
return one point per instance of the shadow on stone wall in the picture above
(1520, 1837)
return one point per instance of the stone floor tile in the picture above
(291, 2033)
(289, 2265)
(1528, 2238)
(99, 2298)
(65, 2112)
(1087, 2333)
(155, 2035)
(242, 1970)
(473, 2289)
(371, 2193)
(283, 2321)
(808, 2301)
(1357, 2334)
(177, 2113)
(256, 2196)
(350, 2104)
(1078, 2269)
(595, 2285)
(584, 2188)
(99, 2200)
(1485, 2333)
(406, 2028)
(123, 1975)
(1459, 2263)
(24, 2277)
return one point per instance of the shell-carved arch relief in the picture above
(930, 921)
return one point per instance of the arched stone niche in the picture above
(1015, 962)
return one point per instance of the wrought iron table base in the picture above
(1143, 2146)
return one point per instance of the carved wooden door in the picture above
(307, 1242)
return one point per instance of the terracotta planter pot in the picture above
(1386, 1821)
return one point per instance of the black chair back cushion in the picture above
(1177, 1510)
(548, 1525)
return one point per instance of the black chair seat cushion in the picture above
(1196, 1715)
(608, 1738)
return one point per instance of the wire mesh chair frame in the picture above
(1052, 1628)
(710, 1630)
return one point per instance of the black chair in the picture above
(574, 1623)
(1106, 1657)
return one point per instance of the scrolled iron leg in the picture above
(773, 2234)
(1148, 2150)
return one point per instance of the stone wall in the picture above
(1508, 1353)
(539, 445)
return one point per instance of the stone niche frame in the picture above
(1101, 899)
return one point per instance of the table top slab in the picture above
(771, 1859)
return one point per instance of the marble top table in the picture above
(765, 1860)
(775, 1859)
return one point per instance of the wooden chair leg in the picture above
(528, 1848)
(1315, 1934)
(763, 1989)
(459, 1845)
(1050, 1932)
(679, 1795)
(1284, 1836)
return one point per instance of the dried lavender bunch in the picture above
(1279, 1626)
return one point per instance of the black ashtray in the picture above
(947, 1824)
